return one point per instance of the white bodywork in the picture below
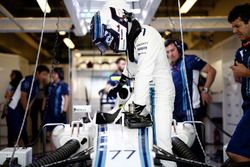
(118, 141)
(116, 145)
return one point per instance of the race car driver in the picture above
(147, 62)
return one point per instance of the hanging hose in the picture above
(187, 86)
(219, 127)
(61, 153)
(31, 87)
(79, 159)
(182, 150)
(80, 164)
(53, 63)
(181, 160)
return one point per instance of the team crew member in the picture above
(15, 78)
(36, 109)
(239, 148)
(194, 65)
(18, 104)
(57, 99)
(120, 63)
(147, 61)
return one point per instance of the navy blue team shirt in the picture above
(239, 143)
(26, 85)
(181, 104)
(111, 82)
(55, 102)
(14, 117)
(243, 56)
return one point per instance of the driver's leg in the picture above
(163, 113)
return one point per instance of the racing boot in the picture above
(133, 119)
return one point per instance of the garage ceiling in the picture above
(22, 10)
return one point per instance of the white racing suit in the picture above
(151, 64)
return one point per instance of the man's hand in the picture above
(206, 98)
(63, 117)
(113, 92)
(64, 113)
(240, 70)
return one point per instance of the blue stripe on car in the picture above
(101, 149)
(143, 147)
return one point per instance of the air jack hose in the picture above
(182, 150)
(61, 153)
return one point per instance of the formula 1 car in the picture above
(105, 140)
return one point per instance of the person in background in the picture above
(238, 149)
(182, 108)
(36, 109)
(120, 64)
(18, 103)
(194, 65)
(15, 78)
(57, 100)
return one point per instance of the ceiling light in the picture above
(62, 32)
(167, 33)
(78, 54)
(187, 5)
(89, 14)
(69, 43)
(136, 11)
(42, 4)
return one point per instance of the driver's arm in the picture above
(146, 49)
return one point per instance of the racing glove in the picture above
(113, 92)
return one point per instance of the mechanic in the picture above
(194, 65)
(18, 103)
(57, 97)
(238, 148)
(120, 64)
(147, 61)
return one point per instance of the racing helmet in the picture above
(109, 29)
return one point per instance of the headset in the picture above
(176, 42)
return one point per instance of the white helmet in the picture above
(109, 28)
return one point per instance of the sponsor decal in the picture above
(142, 48)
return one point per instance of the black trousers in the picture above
(24, 134)
(35, 109)
(14, 122)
